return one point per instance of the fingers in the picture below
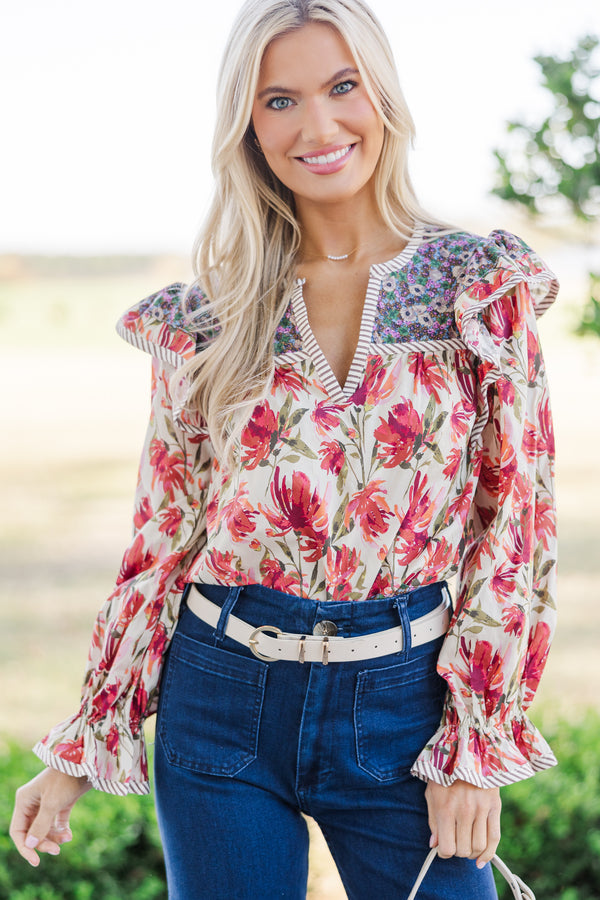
(464, 820)
(51, 843)
(27, 803)
(433, 840)
(32, 827)
(479, 837)
(40, 822)
(57, 835)
(493, 836)
(61, 832)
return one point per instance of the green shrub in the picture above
(115, 853)
(551, 823)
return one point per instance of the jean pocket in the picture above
(210, 707)
(397, 708)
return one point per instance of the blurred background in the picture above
(107, 114)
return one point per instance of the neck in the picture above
(338, 229)
(344, 232)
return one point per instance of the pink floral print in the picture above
(435, 460)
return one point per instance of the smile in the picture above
(327, 163)
(328, 158)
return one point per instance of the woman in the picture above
(349, 407)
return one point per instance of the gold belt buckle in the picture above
(253, 641)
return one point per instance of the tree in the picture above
(555, 164)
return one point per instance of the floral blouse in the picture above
(434, 459)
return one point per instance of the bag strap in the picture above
(519, 889)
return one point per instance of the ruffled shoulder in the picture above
(500, 268)
(158, 324)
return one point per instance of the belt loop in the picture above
(230, 601)
(401, 604)
(302, 650)
(448, 596)
(184, 596)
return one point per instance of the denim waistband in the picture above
(260, 605)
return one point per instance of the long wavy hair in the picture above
(245, 254)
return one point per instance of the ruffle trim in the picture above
(159, 340)
(157, 325)
(486, 757)
(83, 746)
(82, 769)
(497, 266)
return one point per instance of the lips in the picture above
(327, 163)
(328, 157)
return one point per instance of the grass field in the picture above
(74, 406)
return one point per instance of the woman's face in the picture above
(318, 129)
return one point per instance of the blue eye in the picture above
(344, 87)
(279, 103)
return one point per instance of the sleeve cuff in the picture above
(484, 754)
(114, 762)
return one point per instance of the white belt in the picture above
(314, 648)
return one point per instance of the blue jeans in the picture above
(244, 747)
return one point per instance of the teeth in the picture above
(329, 158)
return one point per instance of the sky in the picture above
(107, 110)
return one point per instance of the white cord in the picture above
(519, 889)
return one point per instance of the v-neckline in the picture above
(377, 273)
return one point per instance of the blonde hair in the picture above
(245, 254)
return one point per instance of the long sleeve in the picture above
(504, 618)
(105, 739)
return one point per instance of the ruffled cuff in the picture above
(484, 754)
(113, 760)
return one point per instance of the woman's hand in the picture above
(464, 820)
(41, 815)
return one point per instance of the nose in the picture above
(319, 125)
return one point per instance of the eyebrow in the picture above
(276, 89)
